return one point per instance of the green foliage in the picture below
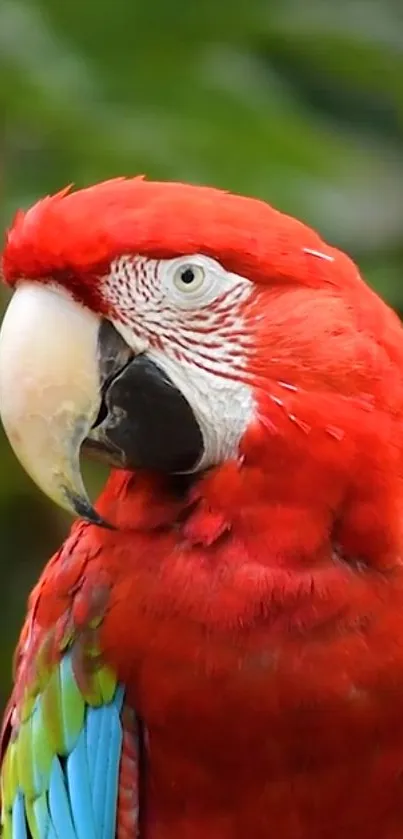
(298, 103)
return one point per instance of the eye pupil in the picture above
(187, 276)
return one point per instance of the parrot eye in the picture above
(189, 278)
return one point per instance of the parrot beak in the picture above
(50, 389)
(69, 382)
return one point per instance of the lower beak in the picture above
(69, 381)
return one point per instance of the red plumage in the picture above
(78, 233)
(257, 620)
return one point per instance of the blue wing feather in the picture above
(93, 734)
(99, 766)
(59, 803)
(108, 809)
(41, 812)
(78, 779)
(19, 823)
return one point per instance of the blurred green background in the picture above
(296, 101)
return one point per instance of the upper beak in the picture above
(50, 389)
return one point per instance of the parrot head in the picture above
(180, 329)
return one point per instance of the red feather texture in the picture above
(77, 234)
(257, 621)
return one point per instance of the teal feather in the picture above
(105, 778)
(41, 813)
(78, 779)
(107, 739)
(19, 824)
(113, 747)
(93, 732)
(59, 803)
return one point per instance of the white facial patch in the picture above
(187, 315)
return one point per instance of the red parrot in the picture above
(216, 652)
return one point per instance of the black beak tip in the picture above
(86, 511)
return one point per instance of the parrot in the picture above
(216, 650)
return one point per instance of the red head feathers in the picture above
(78, 233)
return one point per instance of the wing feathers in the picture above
(60, 776)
